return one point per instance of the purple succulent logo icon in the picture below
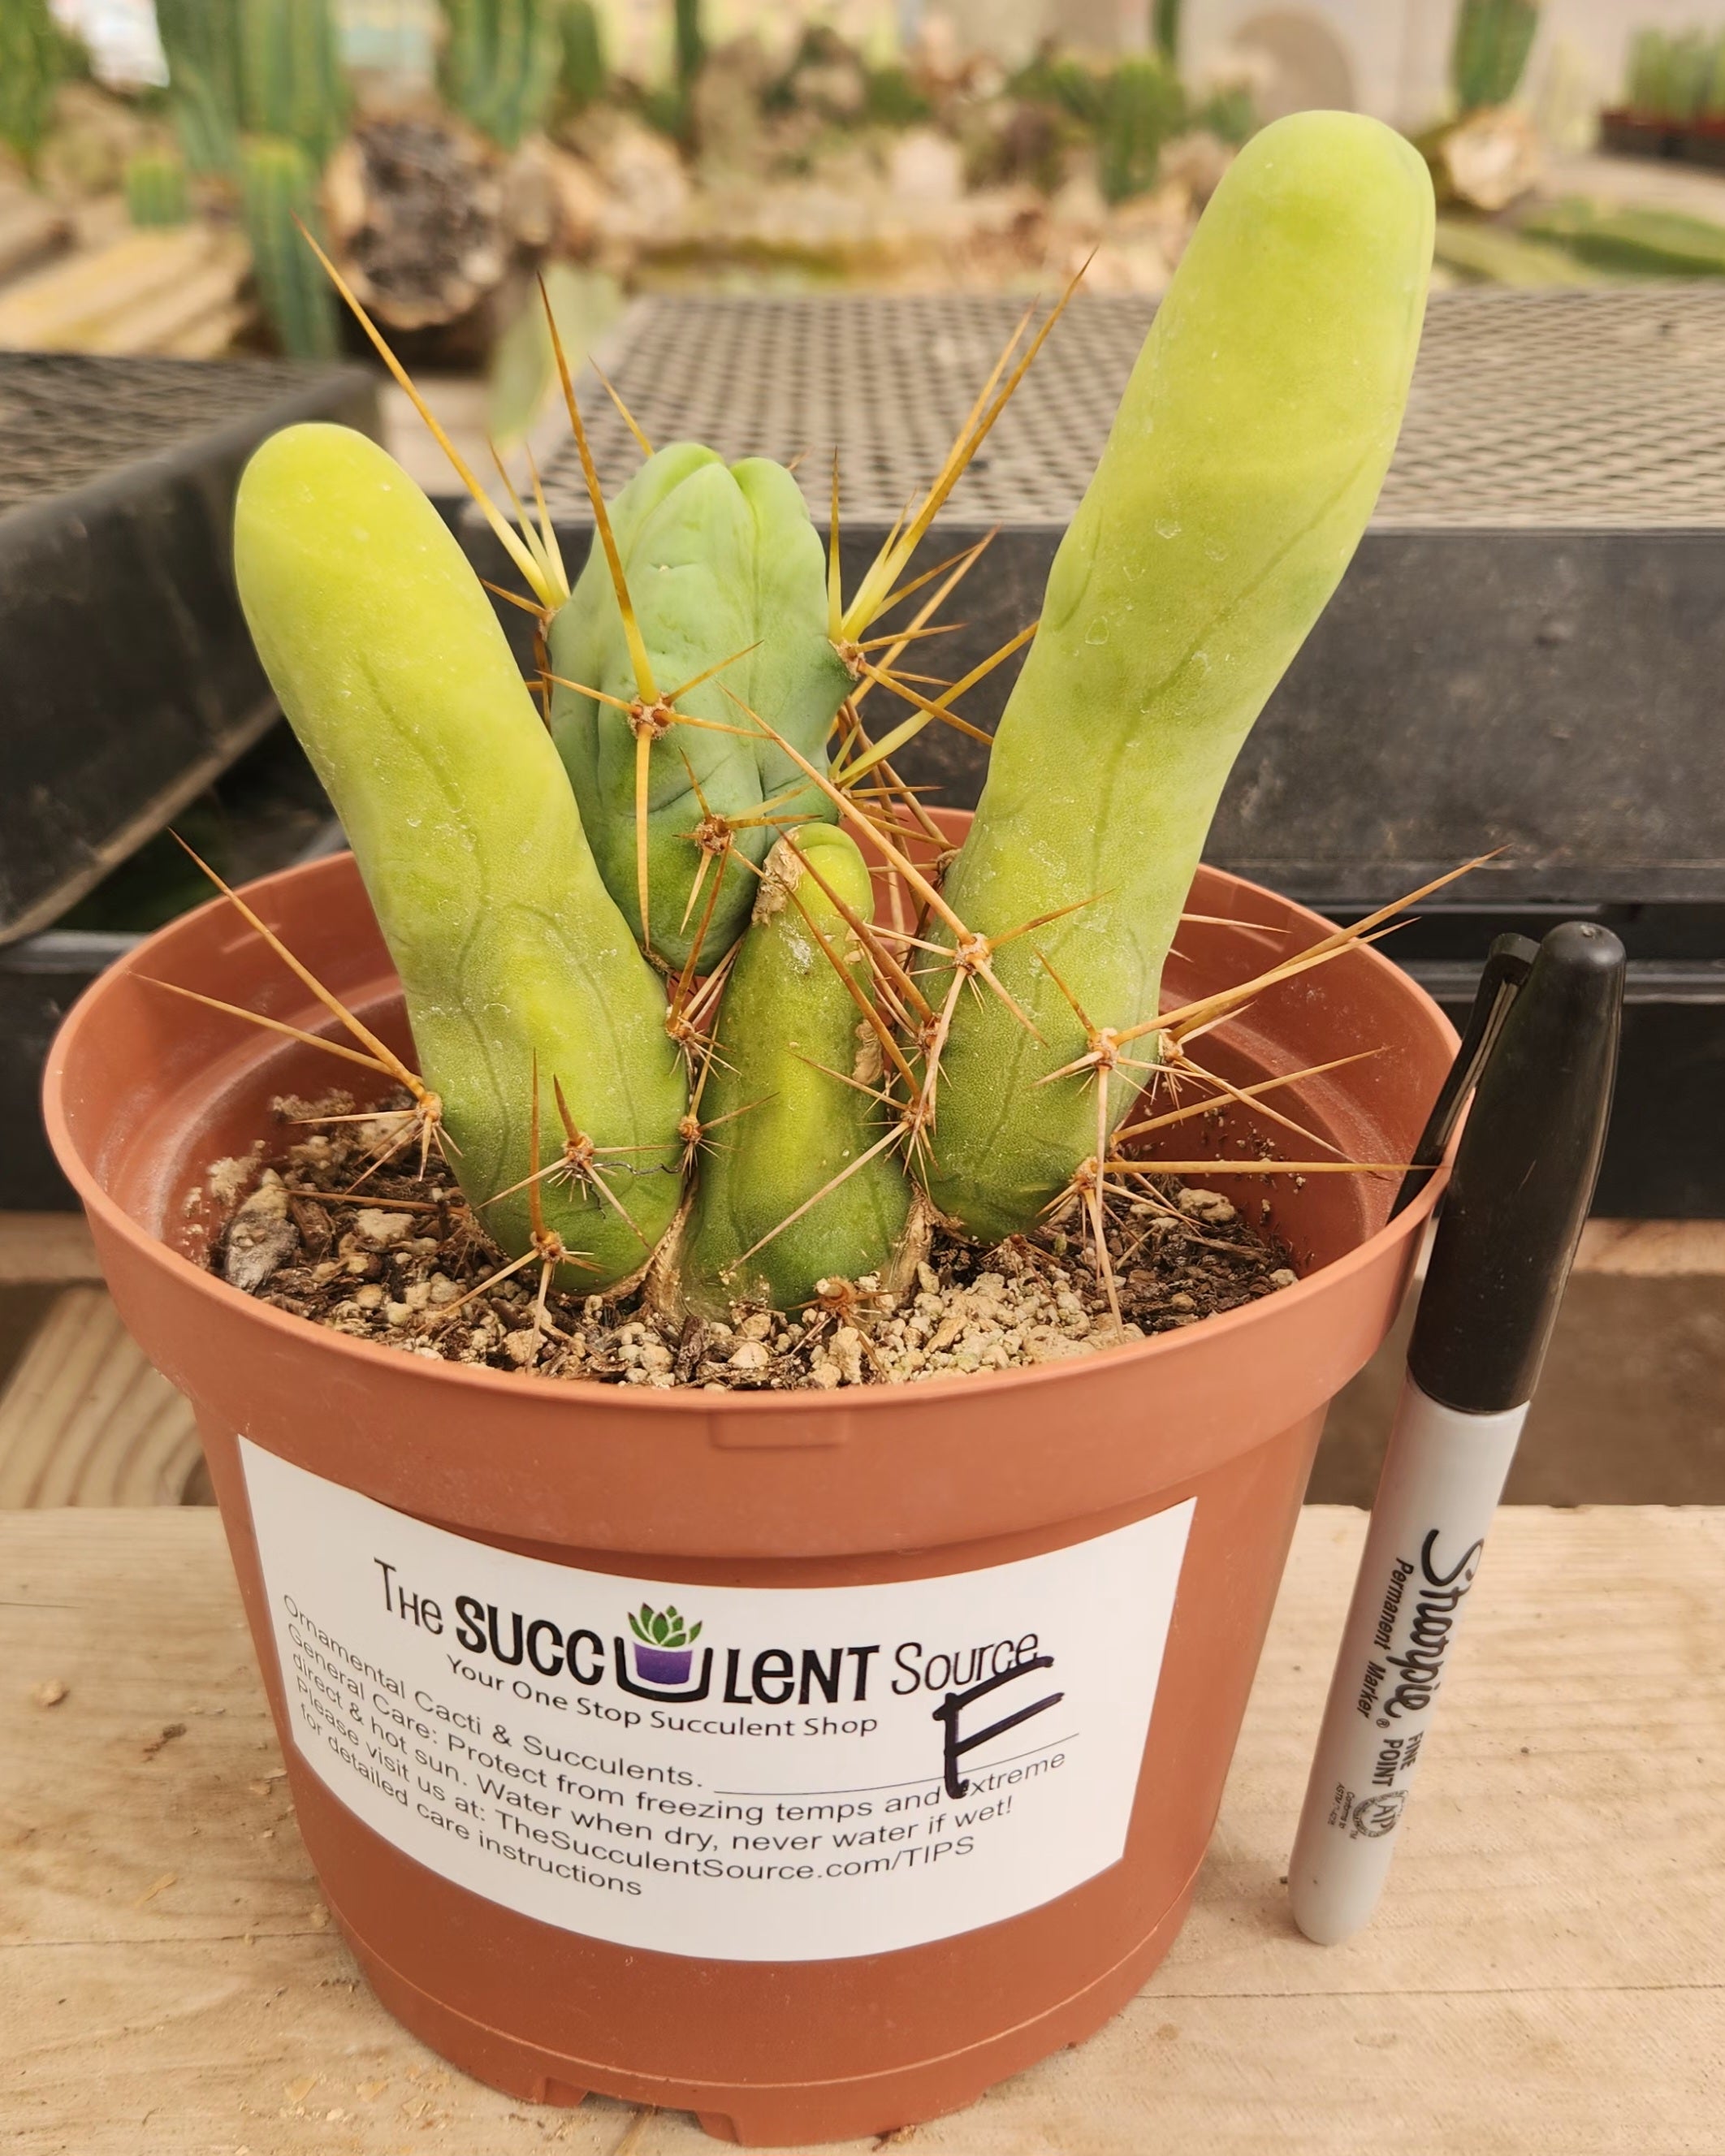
(664, 1644)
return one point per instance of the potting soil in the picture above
(317, 1227)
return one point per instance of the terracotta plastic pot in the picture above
(909, 1973)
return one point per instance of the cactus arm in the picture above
(389, 661)
(720, 565)
(1242, 466)
(782, 1128)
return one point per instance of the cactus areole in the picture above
(665, 1021)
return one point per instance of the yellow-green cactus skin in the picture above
(389, 660)
(721, 564)
(785, 1107)
(1243, 465)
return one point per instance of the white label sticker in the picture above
(740, 1773)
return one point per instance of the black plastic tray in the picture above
(266, 812)
(127, 679)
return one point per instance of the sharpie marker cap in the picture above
(1523, 1180)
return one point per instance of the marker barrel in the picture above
(1443, 1475)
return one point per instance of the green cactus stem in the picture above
(721, 565)
(277, 193)
(156, 192)
(254, 67)
(289, 72)
(525, 993)
(688, 42)
(1493, 38)
(1143, 105)
(800, 1178)
(499, 64)
(32, 63)
(1242, 464)
(583, 71)
(200, 40)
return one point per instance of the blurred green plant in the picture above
(252, 67)
(499, 65)
(277, 194)
(1078, 91)
(1165, 29)
(33, 62)
(1228, 114)
(1677, 78)
(582, 70)
(291, 85)
(1144, 107)
(200, 40)
(523, 375)
(156, 192)
(1642, 243)
(260, 99)
(689, 43)
(1492, 255)
(892, 98)
(1493, 38)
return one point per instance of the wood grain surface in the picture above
(1545, 1976)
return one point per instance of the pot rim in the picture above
(1162, 1348)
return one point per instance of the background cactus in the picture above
(1143, 105)
(1493, 38)
(291, 81)
(820, 1082)
(688, 44)
(583, 71)
(156, 192)
(33, 62)
(200, 40)
(498, 63)
(1677, 79)
(277, 186)
(260, 99)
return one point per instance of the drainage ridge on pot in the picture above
(1011, 1529)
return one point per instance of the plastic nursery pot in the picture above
(924, 1798)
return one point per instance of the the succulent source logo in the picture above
(664, 1644)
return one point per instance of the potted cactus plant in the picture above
(713, 1019)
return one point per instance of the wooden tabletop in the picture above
(1547, 1973)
